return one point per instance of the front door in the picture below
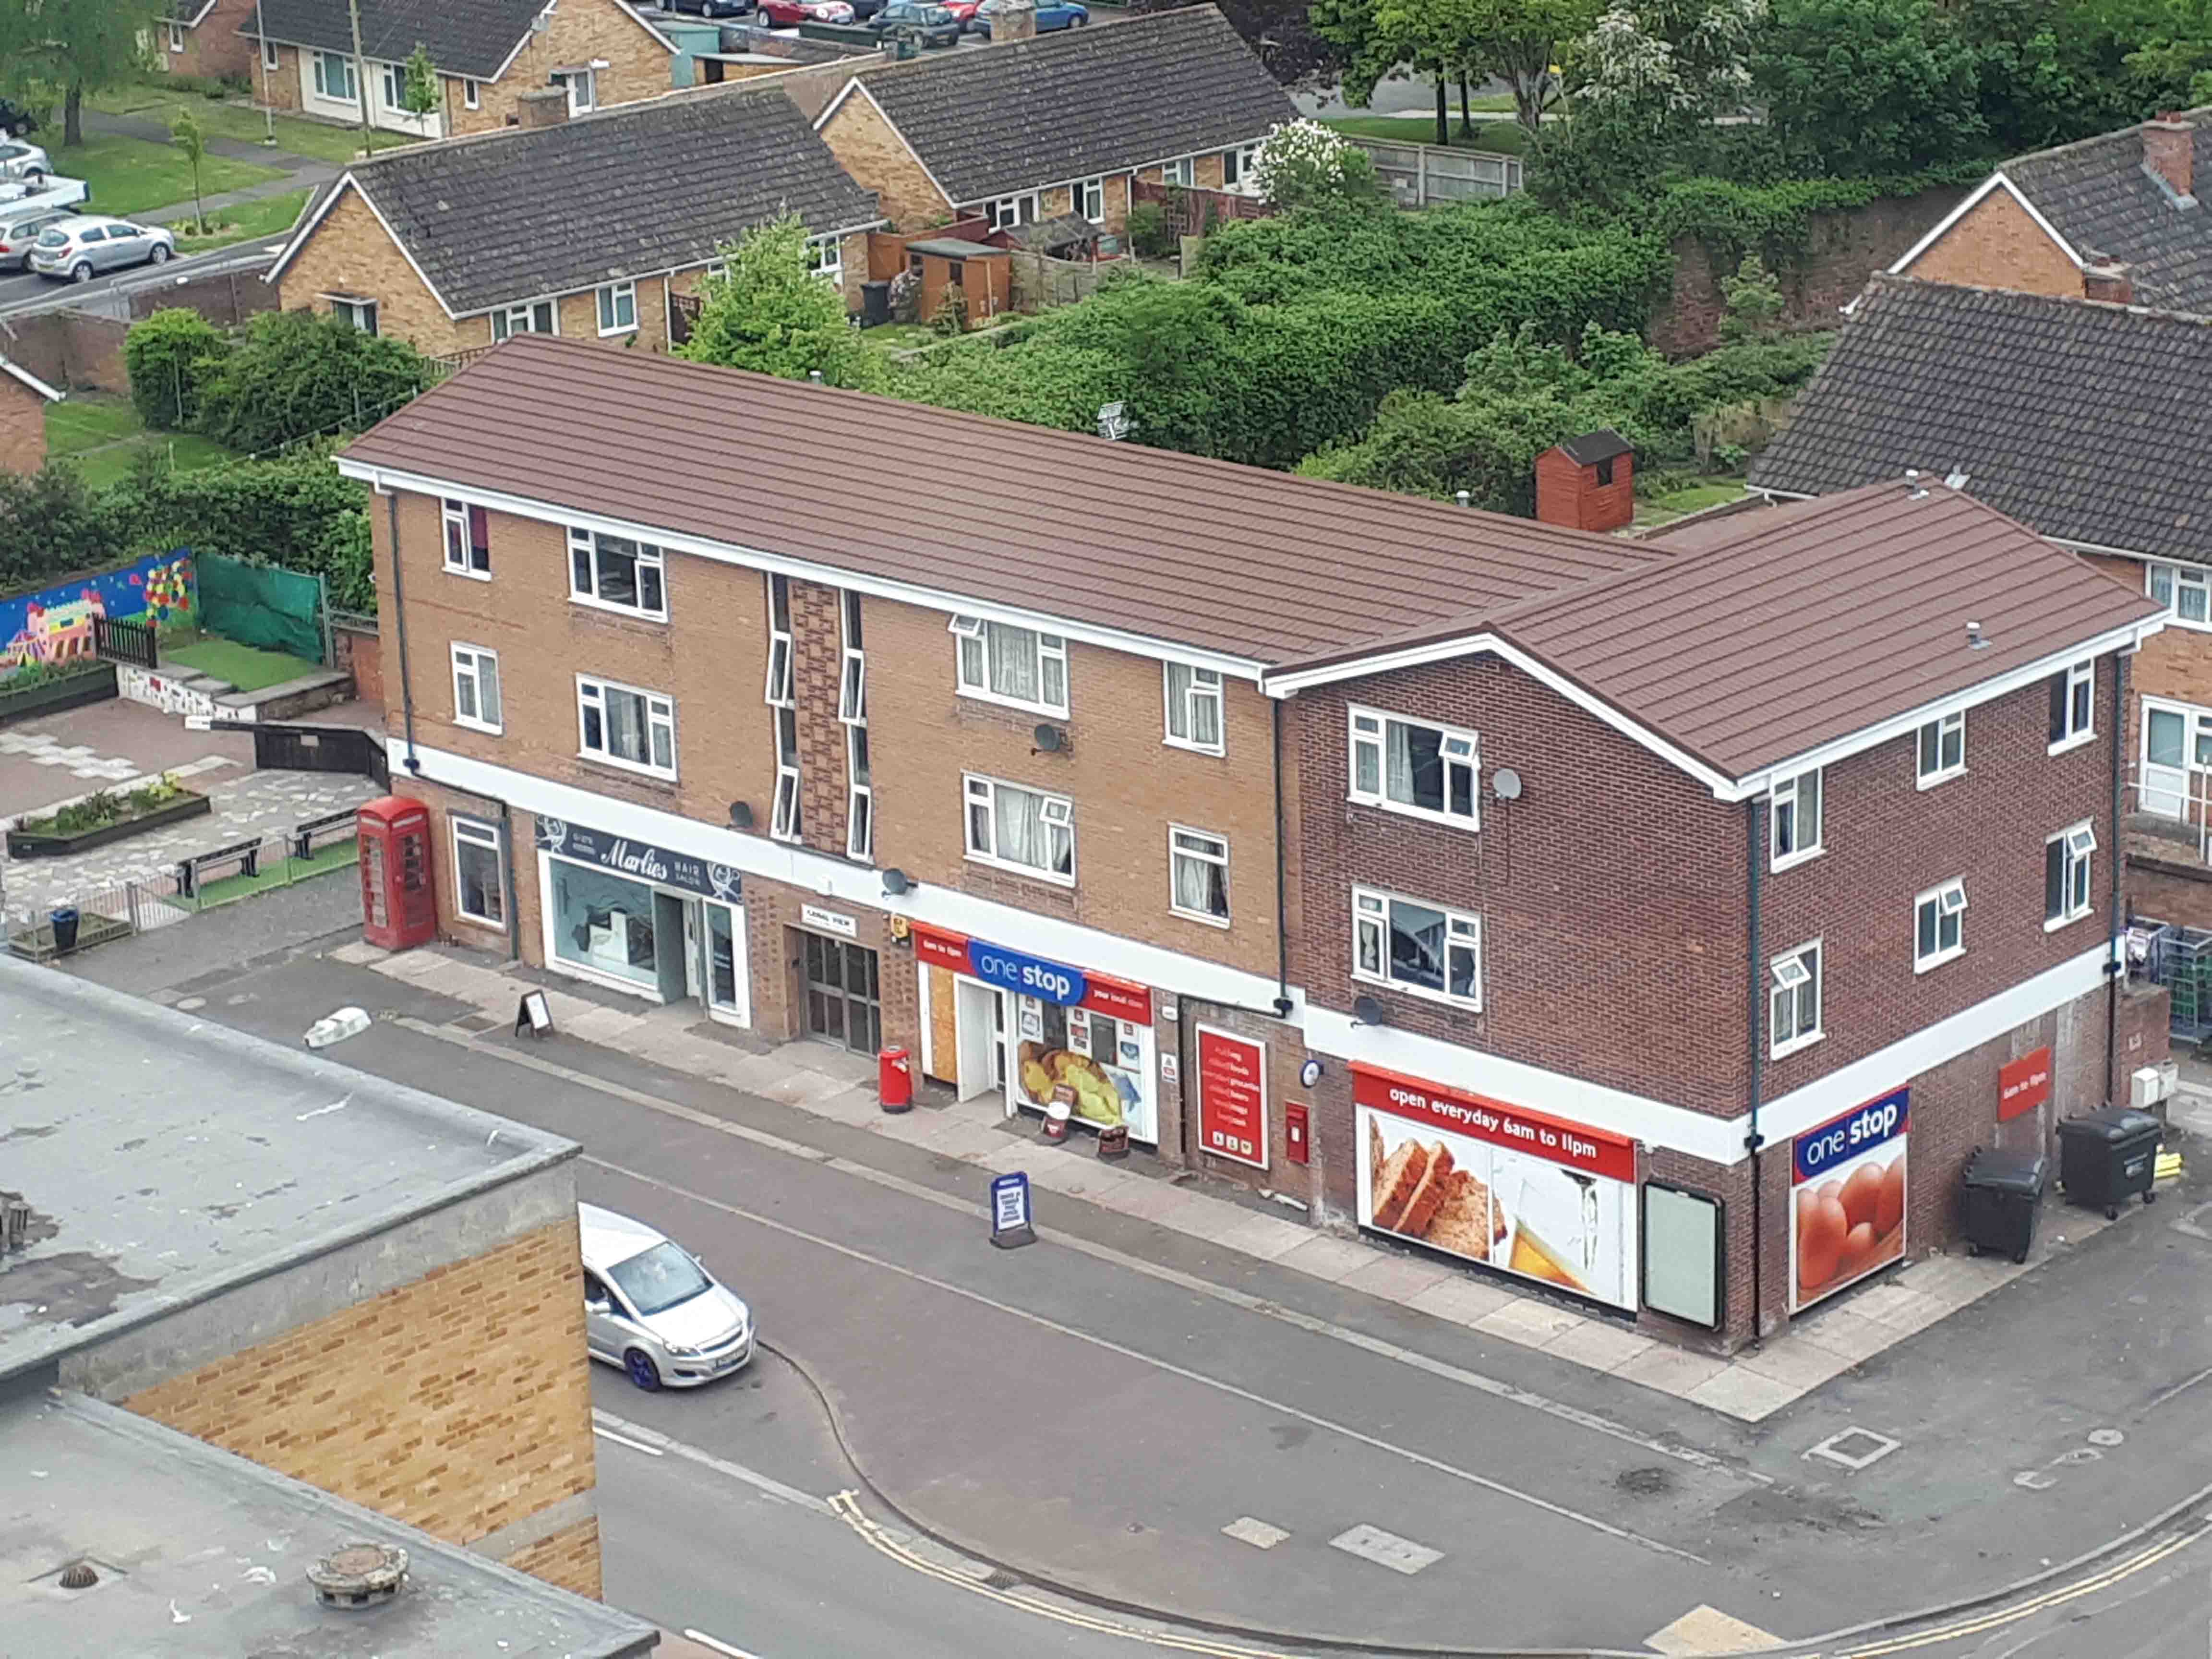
(722, 964)
(841, 1004)
(2164, 790)
(982, 1038)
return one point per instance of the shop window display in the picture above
(1087, 1059)
(603, 922)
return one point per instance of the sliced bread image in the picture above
(1394, 1182)
(1436, 1181)
(1376, 1154)
(1463, 1223)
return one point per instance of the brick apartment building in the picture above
(201, 38)
(1514, 834)
(2086, 420)
(488, 54)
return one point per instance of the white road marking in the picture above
(624, 1440)
(1386, 1549)
(651, 1440)
(1345, 1430)
(706, 1641)
(1259, 1534)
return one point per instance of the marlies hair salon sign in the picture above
(638, 859)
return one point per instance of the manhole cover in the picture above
(999, 1579)
(1644, 1483)
(2105, 1436)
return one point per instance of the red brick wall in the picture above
(23, 427)
(360, 654)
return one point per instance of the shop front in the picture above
(994, 1017)
(642, 919)
(1530, 1195)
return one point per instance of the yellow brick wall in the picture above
(1996, 245)
(569, 1558)
(581, 32)
(458, 1403)
(350, 253)
(280, 86)
(1205, 171)
(871, 150)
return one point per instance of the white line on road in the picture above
(1230, 1389)
(651, 1440)
(624, 1440)
(706, 1641)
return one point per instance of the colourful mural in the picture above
(55, 625)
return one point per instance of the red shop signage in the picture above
(1577, 1146)
(2024, 1084)
(1032, 976)
(1232, 1096)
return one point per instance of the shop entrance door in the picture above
(982, 1025)
(842, 999)
(718, 954)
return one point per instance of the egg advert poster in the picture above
(1847, 1203)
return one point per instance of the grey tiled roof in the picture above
(646, 187)
(2099, 197)
(2089, 422)
(472, 38)
(1024, 113)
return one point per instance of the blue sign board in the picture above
(1028, 977)
(1859, 1130)
(1010, 1210)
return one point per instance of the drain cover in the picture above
(1854, 1448)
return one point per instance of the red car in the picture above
(787, 13)
(963, 10)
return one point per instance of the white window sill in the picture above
(1783, 1050)
(617, 333)
(997, 702)
(2174, 619)
(1186, 744)
(616, 764)
(1780, 861)
(1204, 917)
(1472, 822)
(590, 603)
(468, 725)
(1051, 876)
(2074, 742)
(480, 921)
(2054, 923)
(1934, 778)
(1927, 964)
(1442, 999)
(474, 575)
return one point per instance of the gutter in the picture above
(1283, 1003)
(414, 762)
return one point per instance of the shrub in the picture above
(1150, 234)
(1304, 164)
(950, 316)
(169, 357)
(294, 374)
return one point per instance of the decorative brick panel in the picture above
(818, 659)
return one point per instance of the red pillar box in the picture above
(398, 909)
(895, 1080)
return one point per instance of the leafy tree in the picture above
(1755, 301)
(76, 45)
(293, 510)
(293, 374)
(1853, 88)
(1516, 41)
(1171, 341)
(771, 313)
(421, 96)
(1304, 164)
(51, 524)
(168, 357)
(186, 133)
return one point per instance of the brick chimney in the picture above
(2109, 281)
(1017, 20)
(1588, 483)
(2169, 151)
(542, 106)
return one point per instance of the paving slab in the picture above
(1742, 1392)
(1846, 1333)
(1793, 1360)
(1396, 1278)
(1269, 1237)
(1671, 1370)
(1462, 1300)
(1529, 1322)
(1598, 1344)
(1333, 1258)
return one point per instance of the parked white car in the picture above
(651, 1308)
(22, 159)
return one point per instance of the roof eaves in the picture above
(18, 372)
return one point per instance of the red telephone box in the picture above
(398, 910)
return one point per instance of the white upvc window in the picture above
(2185, 591)
(176, 38)
(625, 726)
(1423, 949)
(825, 257)
(853, 675)
(269, 57)
(1415, 767)
(2066, 860)
(1011, 211)
(1194, 699)
(468, 539)
(476, 689)
(582, 85)
(472, 93)
(1088, 197)
(1198, 875)
(1182, 171)
(1939, 926)
(1794, 819)
(778, 690)
(334, 77)
(395, 86)
(618, 308)
(1236, 169)
(783, 819)
(859, 797)
(1019, 828)
(538, 317)
(1940, 749)
(362, 314)
(1794, 1000)
(479, 872)
(616, 573)
(1019, 666)
(2073, 707)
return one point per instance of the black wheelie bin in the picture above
(2105, 1158)
(2004, 1192)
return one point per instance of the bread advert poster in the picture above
(1529, 1194)
(1847, 1197)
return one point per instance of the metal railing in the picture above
(2171, 805)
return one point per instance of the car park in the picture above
(710, 7)
(788, 14)
(19, 160)
(1057, 15)
(19, 233)
(935, 25)
(75, 248)
(652, 1309)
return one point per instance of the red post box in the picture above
(398, 909)
(895, 1080)
(1296, 1132)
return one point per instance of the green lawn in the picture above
(1693, 498)
(318, 140)
(246, 666)
(1502, 138)
(278, 873)
(129, 175)
(103, 433)
(265, 216)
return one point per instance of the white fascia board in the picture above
(843, 882)
(528, 30)
(647, 24)
(299, 236)
(2135, 554)
(1973, 199)
(658, 274)
(385, 480)
(16, 371)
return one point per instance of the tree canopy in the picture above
(770, 312)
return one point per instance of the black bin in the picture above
(2106, 1158)
(875, 304)
(2004, 1192)
(63, 918)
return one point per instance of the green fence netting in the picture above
(258, 604)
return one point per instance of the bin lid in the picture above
(2114, 1123)
(2006, 1172)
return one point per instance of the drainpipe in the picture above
(1752, 1140)
(506, 853)
(2116, 959)
(399, 629)
(1282, 876)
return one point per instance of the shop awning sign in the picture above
(1577, 1145)
(638, 859)
(1032, 976)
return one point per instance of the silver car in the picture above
(650, 1307)
(17, 235)
(22, 159)
(72, 249)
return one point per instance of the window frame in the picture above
(1371, 907)
(351, 82)
(853, 662)
(779, 685)
(395, 87)
(1944, 726)
(1081, 192)
(476, 832)
(1004, 212)
(659, 562)
(1790, 790)
(2076, 870)
(2179, 577)
(1777, 1045)
(472, 93)
(1379, 740)
(859, 796)
(461, 520)
(971, 783)
(1205, 684)
(1182, 172)
(1050, 649)
(501, 318)
(473, 671)
(605, 757)
(362, 314)
(1220, 862)
(568, 81)
(176, 38)
(2079, 693)
(271, 62)
(610, 298)
(784, 821)
(1947, 902)
(825, 257)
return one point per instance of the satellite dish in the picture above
(1505, 783)
(741, 815)
(1365, 1010)
(896, 882)
(1050, 739)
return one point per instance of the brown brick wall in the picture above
(870, 149)
(350, 253)
(458, 1403)
(23, 427)
(215, 47)
(1996, 245)
(580, 31)
(818, 644)
(570, 1558)
(360, 654)
(280, 87)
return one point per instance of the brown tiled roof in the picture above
(1256, 565)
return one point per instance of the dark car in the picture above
(710, 7)
(15, 120)
(935, 25)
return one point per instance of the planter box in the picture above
(23, 844)
(52, 696)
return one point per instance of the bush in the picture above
(1150, 234)
(293, 374)
(169, 357)
(294, 511)
(950, 316)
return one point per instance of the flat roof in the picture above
(166, 1158)
(201, 1554)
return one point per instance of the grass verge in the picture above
(129, 175)
(266, 215)
(281, 874)
(242, 124)
(1693, 498)
(103, 434)
(1500, 137)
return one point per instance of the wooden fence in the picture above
(118, 639)
(1422, 175)
(1041, 283)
